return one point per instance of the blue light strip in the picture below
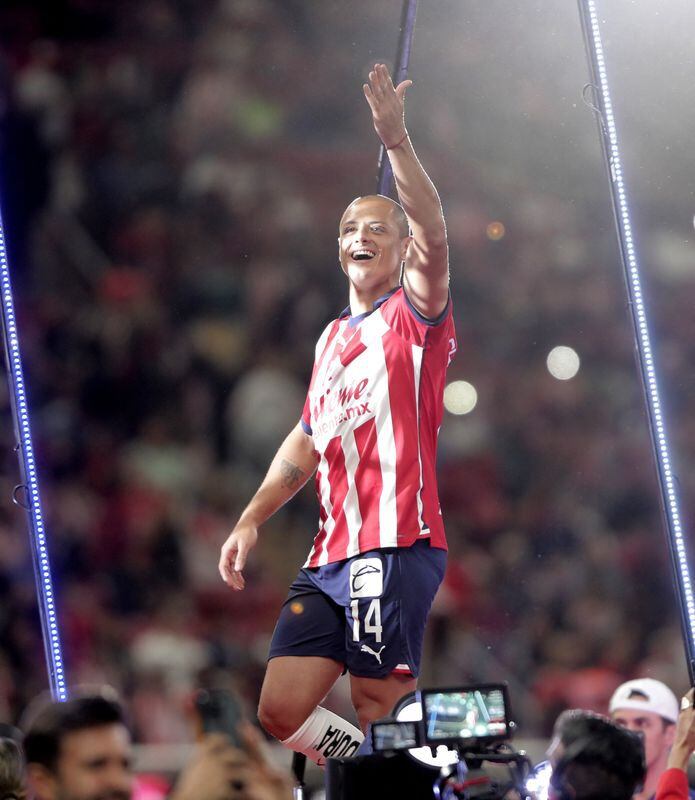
(42, 571)
(384, 181)
(592, 36)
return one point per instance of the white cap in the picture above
(646, 694)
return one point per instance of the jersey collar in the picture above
(352, 321)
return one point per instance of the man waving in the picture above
(369, 431)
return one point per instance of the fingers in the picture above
(402, 88)
(369, 95)
(218, 746)
(231, 575)
(381, 81)
(234, 578)
(254, 744)
(241, 553)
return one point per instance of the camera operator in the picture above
(650, 707)
(593, 758)
(673, 783)
(81, 749)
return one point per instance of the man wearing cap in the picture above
(648, 706)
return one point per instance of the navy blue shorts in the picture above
(367, 612)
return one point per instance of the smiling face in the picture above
(373, 242)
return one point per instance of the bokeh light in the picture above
(460, 397)
(563, 363)
(495, 231)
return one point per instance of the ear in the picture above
(42, 782)
(670, 734)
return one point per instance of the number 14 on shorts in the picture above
(366, 582)
(372, 619)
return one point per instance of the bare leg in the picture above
(374, 698)
(292, 688)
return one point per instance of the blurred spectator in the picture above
(215, 763)
(648, 706)
(594, 759)
(81, 750)
(12, 778)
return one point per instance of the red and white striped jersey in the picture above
(374, 408)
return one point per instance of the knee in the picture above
(279, 719)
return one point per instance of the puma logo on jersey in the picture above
(367, 649)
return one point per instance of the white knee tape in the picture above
(325, 735)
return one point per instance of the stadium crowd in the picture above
(172, 177)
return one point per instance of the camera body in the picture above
(462, 717)
(474, 721)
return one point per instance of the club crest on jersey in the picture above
(366, 578)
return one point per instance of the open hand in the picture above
(386, 103)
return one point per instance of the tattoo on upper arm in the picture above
(291, 474)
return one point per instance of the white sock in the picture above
(325, 735)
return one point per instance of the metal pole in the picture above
(645, 358)
(405, 42)
(26, 494)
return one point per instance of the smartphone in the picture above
(219, 711)
(466, 713)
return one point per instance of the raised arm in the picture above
(426, 275)
(293, 465)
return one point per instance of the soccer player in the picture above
(369, 430)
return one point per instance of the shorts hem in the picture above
(306, 655)
(384, 673)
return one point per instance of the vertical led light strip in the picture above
(31, 502)
(609, 138)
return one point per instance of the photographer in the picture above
(673, 783)
(594, 759)
(217, 766)
(82, 750)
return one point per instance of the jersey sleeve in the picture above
(306, 416)
(673, 785)
(404, 319)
